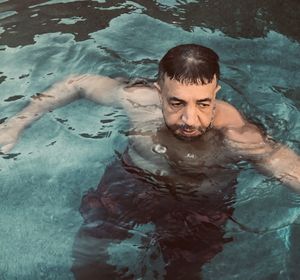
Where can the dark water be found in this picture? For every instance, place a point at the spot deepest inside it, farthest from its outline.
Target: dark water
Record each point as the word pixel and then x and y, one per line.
pixel 237 19
pixel 65 153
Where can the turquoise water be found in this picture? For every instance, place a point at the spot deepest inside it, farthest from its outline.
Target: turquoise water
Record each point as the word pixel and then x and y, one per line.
pixel 57 158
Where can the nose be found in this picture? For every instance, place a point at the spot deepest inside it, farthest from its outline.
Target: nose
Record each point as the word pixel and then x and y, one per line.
pixel 189 116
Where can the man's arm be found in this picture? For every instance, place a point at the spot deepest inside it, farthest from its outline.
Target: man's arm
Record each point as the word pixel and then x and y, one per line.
pixel 99 89
pixel 273 159
pixel 283 164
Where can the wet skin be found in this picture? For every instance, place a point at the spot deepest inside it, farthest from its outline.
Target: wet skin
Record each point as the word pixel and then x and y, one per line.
pixel 187 110
pixel 177 132
pixel 182 178
pixel 180 136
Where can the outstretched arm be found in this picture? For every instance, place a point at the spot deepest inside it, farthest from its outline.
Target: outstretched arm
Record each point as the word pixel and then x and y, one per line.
pixel 96 88
pixel 284 164
pixel 273 159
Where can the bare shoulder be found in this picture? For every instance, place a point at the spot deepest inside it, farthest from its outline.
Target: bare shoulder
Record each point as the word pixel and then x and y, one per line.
pixel 141 96
pixel 235 127
pixel 227 116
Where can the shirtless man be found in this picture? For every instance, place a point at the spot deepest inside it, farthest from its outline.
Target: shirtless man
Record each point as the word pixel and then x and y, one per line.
pixel 177 172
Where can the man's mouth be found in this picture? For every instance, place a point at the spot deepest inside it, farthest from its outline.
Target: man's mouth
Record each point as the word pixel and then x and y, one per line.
pixel 189 132
pixel 186 132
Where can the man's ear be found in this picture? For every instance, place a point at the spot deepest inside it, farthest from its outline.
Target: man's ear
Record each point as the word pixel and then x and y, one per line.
pixel 216 90
pixel 157 86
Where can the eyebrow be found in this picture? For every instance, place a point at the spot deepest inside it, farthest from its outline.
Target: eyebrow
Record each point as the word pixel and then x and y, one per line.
pixel 199 100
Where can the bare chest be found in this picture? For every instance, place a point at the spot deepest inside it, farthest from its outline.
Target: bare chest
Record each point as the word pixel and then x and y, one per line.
pixel 201 164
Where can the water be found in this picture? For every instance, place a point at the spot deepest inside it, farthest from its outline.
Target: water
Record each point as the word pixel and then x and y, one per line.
pixel 65 153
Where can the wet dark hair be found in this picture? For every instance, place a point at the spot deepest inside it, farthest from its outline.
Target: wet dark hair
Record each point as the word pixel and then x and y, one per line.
pixel 189 64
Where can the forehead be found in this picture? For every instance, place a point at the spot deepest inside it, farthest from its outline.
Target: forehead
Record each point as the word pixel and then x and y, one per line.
pixel 174 88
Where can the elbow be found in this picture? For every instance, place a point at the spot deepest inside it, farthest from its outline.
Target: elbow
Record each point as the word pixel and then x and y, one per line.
pixel 73 84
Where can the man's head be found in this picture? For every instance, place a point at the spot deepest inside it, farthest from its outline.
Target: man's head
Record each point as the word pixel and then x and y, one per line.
pixel 188 82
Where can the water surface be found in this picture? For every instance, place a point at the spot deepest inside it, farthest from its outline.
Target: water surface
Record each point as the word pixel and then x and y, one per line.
pixel 65 153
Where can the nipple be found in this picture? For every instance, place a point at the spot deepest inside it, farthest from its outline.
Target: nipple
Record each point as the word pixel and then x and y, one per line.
pixel 159 149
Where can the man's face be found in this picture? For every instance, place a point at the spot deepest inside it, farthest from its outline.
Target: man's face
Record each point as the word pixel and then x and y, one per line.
pixel 187 109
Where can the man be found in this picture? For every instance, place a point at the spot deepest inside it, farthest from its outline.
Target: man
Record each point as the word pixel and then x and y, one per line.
pixel 177 174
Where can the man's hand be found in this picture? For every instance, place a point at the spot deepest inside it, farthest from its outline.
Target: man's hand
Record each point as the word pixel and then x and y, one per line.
pixel 9 135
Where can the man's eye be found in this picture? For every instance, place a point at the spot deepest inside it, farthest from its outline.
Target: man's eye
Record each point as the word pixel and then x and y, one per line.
pixel 176 104
pixel 203 105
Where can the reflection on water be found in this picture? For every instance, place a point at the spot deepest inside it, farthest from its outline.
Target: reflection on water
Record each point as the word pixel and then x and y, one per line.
pixel 21 21
pixel 65 153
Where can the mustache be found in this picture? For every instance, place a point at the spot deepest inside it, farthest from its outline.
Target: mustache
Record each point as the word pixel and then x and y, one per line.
pixel 190 128
pixel 186 127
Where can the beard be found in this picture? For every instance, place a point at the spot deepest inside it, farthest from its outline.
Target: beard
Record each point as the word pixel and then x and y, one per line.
pixel 178 131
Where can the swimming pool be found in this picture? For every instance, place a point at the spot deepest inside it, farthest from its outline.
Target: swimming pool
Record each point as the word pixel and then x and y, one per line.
pixel 65 153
